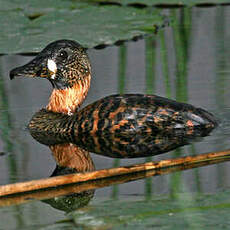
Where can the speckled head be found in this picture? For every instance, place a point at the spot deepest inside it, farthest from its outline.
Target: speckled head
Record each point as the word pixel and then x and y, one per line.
pixel 63 63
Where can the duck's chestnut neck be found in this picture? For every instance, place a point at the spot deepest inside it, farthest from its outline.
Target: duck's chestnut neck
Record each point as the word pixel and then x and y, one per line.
pixel 69 99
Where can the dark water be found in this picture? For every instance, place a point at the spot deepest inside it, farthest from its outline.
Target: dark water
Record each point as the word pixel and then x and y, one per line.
pixel 190 63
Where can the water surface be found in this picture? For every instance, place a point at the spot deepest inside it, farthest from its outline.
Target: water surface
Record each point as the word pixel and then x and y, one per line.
pixel 187 61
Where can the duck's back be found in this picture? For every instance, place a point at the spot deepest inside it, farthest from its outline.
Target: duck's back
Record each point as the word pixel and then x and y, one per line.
pixel 134 113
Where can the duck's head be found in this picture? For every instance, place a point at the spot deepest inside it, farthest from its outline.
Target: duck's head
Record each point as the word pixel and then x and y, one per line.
pixel 62 62
pixel 66 65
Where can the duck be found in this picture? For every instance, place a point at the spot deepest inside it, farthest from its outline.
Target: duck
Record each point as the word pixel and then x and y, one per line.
pixel 120 125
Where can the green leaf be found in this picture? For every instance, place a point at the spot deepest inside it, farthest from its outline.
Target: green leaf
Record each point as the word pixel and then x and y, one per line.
pixel 12 25
pixel 90 26
pixel 188 210
pixel 164 2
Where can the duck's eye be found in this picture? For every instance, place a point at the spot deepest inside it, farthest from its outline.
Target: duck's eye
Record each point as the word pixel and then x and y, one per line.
pixel 63 54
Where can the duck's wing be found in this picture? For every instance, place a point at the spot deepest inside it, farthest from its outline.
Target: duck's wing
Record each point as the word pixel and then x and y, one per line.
pixel 137 113
pixel 134 125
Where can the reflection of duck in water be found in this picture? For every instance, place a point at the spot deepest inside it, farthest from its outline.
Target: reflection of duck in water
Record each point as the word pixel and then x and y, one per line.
pixel 71 159
pixel 124 125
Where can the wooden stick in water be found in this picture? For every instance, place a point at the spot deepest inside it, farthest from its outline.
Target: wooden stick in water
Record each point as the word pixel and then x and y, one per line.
pixel 20 198
pixel 12 189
